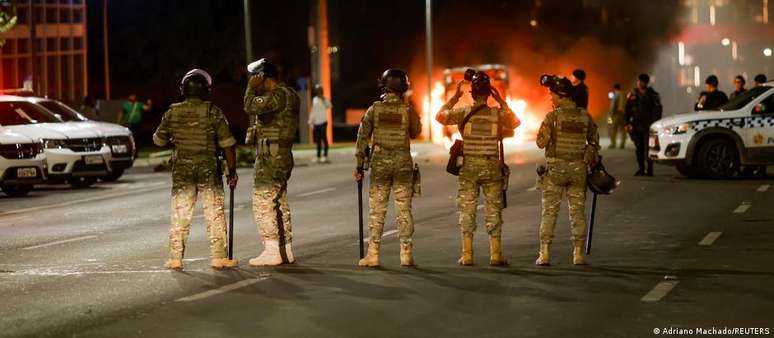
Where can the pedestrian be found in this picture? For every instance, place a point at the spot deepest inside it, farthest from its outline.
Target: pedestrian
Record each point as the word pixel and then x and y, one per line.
pixel 760 80
pixel 88 108
pixel 197 128
pixel 643 107
pixel 318 120
pixel 481 127
pixel 274 108
pixel 712 98
pixel 617 116
pixel 571 142
pixel 739 89
pixel 131 113
pixel 388 125
pixel 578 79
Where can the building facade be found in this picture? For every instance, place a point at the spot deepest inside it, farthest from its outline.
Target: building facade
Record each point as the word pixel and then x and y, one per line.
pixel 45 53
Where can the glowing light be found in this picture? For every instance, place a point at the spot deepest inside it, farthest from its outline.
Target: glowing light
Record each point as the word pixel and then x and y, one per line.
pixel 725 42
pixel 432 107
pixel 696 76
pixel 712 15
pixel 681 53
pixel 610 95
pixel 530 122
pixel 734 51
pixel 533 23
pixel 767 52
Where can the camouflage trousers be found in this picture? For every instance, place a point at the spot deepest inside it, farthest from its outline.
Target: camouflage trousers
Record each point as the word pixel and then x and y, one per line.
pixel 270 208
pixel 183 202
pixel 480 174
pixel 391 171
pixel 570 178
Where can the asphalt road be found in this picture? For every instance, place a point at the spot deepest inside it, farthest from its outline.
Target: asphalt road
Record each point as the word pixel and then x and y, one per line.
pixel 668 253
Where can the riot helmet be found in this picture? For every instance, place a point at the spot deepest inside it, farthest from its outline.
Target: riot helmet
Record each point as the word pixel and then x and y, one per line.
pixel 263 67
pixel 394 80
pixel 600 181
pixel 196 83
pixel 480 85
pixel 558 85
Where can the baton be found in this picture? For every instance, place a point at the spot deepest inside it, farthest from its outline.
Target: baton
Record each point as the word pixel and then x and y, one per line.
pixel 231 224
pixel 590 229
pixel 360 214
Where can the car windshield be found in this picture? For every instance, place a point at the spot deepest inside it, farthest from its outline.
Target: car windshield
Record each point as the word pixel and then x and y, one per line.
pixel 64 112
pixel 742 100
pixel 19 112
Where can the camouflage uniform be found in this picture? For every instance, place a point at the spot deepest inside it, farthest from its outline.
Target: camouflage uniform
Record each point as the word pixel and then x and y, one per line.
pixel 276 120
pixel 195 128
pixel 571 142
pixel 388 125
pixel 481 168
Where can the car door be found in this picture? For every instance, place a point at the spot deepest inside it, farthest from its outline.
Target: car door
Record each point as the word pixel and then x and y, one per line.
pixel 759 131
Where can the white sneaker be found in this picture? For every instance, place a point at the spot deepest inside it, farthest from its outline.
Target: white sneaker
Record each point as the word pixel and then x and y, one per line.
pixel 270 255
pixel 325 159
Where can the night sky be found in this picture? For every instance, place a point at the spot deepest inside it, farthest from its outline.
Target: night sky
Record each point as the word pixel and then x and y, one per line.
pixel 153 43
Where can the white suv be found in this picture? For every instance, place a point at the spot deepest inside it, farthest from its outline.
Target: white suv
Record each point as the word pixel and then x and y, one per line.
pixel 22 163
pixel 716 144
pixel 118 138
pixel 73 154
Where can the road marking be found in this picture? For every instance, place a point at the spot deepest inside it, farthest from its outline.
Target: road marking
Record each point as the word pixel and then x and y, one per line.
pixel 532 189
pixel 659 291
pixel 763 188
pixel 88 199
pixel 710 238
pixel 742 208
pixel 222 289
pixel 316 192
pixel 59 242
pixel 385 234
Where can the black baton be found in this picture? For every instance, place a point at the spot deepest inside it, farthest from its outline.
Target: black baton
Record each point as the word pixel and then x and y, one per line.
pixel 360 214
pixel 231 224
pixel 590 229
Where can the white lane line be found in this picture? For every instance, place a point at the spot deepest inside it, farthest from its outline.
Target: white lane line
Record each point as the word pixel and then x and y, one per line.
pixel 710 238
pixel 385 234
pixel 742 207
pixel 222 289
pixel 659 291
pixel 316 192
pixel 763 188
pixel 89 199
pixel 59 242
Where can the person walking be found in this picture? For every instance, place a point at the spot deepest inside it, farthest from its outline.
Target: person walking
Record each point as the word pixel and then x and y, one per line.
pixel 318 120
pixel 617 117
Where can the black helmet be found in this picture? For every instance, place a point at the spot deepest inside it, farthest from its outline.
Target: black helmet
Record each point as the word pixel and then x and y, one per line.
pixel 196 83
pixel 394 80
pixel 480 84
pixel 558 85
pixel 263 67
pixel 600 181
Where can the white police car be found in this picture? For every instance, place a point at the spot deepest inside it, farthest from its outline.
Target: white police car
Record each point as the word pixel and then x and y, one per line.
pixel 716 144
pixel 22 163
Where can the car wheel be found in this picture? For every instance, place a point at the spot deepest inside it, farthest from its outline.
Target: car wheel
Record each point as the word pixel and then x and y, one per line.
pixel 687 170
pixel 718 158
pixel 82 182
pixel 114 176
pixel 17 190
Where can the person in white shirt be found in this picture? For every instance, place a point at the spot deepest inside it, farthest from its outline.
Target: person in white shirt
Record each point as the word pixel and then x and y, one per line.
pixel 318 120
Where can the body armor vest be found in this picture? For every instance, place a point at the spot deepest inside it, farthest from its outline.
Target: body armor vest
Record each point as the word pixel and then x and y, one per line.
pixel 193 130
pixel 281 128
pixel 481 134
pixel 570 131
pixel 391 125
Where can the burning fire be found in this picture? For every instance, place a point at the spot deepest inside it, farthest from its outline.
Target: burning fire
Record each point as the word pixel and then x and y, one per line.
pixel 530 121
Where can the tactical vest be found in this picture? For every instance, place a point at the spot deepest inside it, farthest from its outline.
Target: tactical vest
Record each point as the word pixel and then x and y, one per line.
pixel 391 125
pixel 570 131
pixel 281 128
pixel 481 134
pixel 193 130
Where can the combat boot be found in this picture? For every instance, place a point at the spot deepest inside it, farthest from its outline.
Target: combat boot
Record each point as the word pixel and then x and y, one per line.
pixel 174 264
pixel 578 256
pixel 406 257
pixel 372 258
pixel 270 254
pixel 544 258
pixel 223 263
pixel 467 250
pixel 496 252
pixel 289 254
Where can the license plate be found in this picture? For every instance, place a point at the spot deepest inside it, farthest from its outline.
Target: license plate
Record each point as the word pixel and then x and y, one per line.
pixel 652 142
pixel 93 159
pixel 119 148
pixel 26 173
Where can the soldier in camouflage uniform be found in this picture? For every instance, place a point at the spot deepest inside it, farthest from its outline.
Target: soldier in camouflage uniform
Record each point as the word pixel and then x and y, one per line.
pixel 571 143
pixel 197 128
pixel 273 107
pixel 481 168
pixel 388 125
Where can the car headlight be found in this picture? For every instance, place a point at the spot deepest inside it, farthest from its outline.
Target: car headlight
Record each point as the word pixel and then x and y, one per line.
pixel 677 129
pixel 53 144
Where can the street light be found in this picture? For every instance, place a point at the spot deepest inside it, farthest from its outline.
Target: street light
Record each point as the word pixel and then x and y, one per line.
pixel 767 52
pixel 725 41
